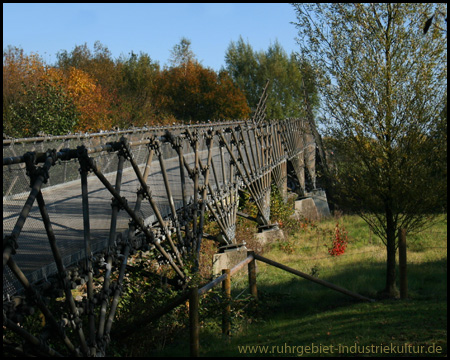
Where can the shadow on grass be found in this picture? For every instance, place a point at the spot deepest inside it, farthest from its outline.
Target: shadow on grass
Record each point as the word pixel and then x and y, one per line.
pixel 296 312
pixel 418 323
pixel 427 280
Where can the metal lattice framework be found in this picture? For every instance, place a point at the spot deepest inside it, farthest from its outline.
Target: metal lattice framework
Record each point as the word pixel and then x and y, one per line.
pixel 97 199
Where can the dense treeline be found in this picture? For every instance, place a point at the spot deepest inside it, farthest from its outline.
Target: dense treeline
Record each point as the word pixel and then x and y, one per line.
pixel 87 90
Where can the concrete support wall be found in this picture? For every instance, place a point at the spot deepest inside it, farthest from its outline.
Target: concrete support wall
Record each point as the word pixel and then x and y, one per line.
pixel 228 259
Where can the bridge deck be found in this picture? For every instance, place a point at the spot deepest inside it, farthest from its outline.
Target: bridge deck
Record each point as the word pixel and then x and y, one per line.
pixel 63 198
pixel 64 204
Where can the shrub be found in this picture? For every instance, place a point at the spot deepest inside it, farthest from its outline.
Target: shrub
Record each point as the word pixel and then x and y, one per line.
pixel 340 241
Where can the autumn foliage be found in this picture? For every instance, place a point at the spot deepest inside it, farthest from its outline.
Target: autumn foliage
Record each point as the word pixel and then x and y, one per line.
pixel 88 92
pixel 91 100
pixel 34 98
pixel 340 241
pixel 191 92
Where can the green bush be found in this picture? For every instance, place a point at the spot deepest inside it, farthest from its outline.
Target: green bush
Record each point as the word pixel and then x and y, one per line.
pixel 42 108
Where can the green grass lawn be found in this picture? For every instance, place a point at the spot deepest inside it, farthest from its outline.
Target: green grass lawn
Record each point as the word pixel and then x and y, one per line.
pixel 295 317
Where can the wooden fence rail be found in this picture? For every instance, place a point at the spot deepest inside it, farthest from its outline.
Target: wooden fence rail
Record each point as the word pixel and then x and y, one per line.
pixel 312 278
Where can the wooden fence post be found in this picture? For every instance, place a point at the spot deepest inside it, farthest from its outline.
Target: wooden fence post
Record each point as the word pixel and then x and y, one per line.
pixel 252 276
pixel 226 287
pixel 402 264
pixel 193 322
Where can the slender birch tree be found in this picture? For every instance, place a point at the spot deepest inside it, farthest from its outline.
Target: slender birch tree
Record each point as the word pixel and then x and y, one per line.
pixel 383 85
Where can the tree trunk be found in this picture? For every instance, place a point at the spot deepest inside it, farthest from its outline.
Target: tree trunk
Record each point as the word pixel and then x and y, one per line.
pixel 391 289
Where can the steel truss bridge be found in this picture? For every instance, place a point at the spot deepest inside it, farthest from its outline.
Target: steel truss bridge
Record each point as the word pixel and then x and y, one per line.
pixel 97 199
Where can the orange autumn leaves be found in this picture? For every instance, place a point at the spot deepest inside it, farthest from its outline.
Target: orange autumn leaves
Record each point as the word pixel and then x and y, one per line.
pixel 91 100
pixel 191 92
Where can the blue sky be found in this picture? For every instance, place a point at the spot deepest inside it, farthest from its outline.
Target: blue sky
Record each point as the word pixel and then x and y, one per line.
pixel 151 28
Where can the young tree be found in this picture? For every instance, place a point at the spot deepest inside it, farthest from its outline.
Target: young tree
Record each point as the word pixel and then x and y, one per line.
pixel 91 100
pixel 383 86
pixel 135 89
pixel 230 101
pixel 242 65
pixel 287 77
pixel 97 63
pixel 191 92
pixel 33 99
pixel 19 71
pixel 43 108
pixel 182 54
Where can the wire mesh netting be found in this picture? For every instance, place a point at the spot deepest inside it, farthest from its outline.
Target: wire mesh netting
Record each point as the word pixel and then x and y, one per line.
pixel 62 195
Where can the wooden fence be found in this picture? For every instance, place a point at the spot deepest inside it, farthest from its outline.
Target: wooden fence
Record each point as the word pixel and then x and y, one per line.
pixel 195 293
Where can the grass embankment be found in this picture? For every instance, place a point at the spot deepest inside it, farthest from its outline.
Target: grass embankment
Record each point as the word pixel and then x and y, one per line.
pixel 296 317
